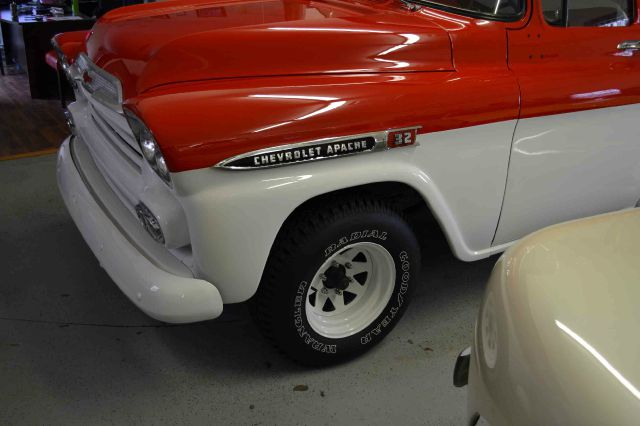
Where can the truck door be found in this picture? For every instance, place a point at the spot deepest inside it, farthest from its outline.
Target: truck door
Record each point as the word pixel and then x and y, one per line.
pixel 576 150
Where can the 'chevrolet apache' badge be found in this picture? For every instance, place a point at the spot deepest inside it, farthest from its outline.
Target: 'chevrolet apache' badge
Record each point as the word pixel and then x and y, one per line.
pixel 314 150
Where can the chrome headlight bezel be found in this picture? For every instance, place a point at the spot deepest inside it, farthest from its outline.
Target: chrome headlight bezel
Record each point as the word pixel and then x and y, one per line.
pixel 149 147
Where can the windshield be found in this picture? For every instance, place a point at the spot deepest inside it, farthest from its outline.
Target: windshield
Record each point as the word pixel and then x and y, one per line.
pixel 500 9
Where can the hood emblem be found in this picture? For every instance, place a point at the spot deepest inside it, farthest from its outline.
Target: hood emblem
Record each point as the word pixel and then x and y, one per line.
pixel 87 78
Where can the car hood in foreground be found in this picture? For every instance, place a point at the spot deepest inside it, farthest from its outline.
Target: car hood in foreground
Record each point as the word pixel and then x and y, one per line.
pixel 564 304
pixel 156 44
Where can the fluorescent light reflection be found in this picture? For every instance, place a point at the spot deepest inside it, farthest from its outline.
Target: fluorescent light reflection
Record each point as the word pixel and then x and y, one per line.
pixel 333 30
pixel 295 179
pixel 602 360
pixel 303 97
pixel 597 94
pixel 333 104
pixel 409 40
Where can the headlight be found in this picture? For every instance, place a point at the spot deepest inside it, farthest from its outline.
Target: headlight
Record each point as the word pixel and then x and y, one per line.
pixel 149 147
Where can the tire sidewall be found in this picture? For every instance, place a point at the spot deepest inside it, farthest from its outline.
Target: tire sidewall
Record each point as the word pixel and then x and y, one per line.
pixel 387 230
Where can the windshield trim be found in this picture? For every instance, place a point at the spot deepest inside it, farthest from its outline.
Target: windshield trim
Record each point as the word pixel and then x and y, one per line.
pixel 474 14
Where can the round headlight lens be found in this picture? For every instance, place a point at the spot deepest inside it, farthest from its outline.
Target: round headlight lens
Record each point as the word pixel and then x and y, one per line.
pixel 149 149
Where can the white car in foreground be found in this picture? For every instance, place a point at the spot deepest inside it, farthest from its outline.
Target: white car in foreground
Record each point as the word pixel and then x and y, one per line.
pixel 557 341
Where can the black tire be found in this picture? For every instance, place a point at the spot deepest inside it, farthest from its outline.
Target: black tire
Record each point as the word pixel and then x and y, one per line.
pixel 304 243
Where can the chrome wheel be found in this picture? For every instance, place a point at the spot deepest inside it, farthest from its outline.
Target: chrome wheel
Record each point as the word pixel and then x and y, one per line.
pixel 350 290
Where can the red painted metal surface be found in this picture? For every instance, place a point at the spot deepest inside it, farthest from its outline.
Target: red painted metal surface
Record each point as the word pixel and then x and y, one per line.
pixel 71 43
pixel 564 70
pixel 264 38
pixel 216 79
pixel 209 121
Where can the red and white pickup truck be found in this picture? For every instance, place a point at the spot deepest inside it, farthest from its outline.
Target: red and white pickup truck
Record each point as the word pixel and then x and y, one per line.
pixel 269 149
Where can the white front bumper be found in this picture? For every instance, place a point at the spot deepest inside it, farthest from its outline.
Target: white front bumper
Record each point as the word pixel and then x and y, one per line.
pixel 165 296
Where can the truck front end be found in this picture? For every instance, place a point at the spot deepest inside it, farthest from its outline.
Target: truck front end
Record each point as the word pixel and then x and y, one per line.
pixel 117 188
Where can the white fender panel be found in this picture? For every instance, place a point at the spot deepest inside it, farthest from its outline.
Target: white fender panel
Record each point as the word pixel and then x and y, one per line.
pixel 234 216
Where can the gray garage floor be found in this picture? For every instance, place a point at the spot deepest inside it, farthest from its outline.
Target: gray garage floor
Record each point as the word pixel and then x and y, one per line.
pixel 74 350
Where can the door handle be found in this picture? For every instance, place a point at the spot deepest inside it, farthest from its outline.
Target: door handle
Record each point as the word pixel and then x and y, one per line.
pixel 629 45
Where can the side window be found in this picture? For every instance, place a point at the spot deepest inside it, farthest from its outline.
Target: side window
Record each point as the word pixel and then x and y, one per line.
pixel 554 12
pixel 588 13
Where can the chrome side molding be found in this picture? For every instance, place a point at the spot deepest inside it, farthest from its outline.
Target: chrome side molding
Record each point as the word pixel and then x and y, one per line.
pixel 629 45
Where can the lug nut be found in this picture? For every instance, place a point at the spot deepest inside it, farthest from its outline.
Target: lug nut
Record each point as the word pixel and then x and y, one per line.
pixel 324 290
pixel 338 292
pixel 348 265
pixel 323 277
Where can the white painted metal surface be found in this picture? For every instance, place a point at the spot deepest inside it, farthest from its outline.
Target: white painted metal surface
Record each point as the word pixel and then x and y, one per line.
pixel 234 216
pixel 568 166
pixel 163 295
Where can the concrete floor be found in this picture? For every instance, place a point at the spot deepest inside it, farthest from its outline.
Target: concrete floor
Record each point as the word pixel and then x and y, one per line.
pixel 74 350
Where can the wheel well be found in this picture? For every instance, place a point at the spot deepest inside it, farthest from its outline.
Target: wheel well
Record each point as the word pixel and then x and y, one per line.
pixel 401 197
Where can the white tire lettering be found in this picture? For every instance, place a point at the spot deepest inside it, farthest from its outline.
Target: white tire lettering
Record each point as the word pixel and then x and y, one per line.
pixel 300 328
pixel 354 236
pixel 404 285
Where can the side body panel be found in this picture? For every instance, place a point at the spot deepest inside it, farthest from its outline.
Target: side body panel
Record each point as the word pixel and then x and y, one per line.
pixel 568 166
pixel 576 150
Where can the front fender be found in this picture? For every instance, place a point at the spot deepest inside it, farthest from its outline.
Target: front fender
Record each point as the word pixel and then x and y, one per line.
pixel 202 123
pixel 234 216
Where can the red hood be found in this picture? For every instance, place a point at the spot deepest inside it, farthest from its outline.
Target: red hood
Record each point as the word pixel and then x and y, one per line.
pixel 156 44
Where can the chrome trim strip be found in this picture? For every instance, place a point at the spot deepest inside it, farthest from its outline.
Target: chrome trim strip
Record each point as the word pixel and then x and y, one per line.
pixel 62 58
pixel 629 45
pixel 380 139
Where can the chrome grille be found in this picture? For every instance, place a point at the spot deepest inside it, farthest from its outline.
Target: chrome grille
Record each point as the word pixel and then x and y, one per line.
pixel 117 142
pixel 112 144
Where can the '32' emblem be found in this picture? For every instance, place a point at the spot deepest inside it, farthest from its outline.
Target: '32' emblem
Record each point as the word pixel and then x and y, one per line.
pixel 402 137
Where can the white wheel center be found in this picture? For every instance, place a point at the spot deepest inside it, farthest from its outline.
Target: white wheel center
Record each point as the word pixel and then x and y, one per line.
pixel 350 290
